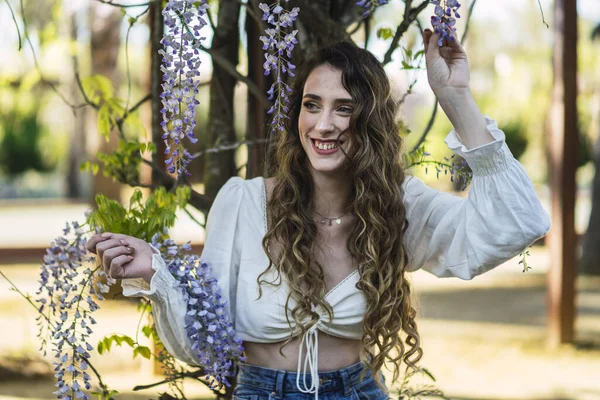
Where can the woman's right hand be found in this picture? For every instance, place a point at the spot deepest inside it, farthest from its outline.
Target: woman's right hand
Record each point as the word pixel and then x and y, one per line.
pixel 122 256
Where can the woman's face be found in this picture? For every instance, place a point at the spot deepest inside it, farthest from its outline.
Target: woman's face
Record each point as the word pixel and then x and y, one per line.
pixel 324 115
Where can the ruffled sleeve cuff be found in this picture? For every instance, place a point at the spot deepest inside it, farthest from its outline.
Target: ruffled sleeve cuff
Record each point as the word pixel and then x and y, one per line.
pixel 487 159
pixel 161 283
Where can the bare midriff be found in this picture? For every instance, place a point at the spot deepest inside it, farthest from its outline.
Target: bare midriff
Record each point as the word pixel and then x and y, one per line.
pixel 334 353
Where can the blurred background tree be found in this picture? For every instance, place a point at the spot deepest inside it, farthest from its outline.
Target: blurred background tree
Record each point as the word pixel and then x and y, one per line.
pixel 590 255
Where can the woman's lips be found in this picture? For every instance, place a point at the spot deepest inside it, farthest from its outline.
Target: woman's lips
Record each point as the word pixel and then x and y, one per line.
pixel 325 152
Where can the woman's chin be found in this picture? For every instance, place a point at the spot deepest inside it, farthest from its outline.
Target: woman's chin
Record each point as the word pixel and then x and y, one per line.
pixel 329 168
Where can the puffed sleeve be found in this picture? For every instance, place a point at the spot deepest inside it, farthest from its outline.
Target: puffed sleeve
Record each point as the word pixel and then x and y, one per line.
pixel 221 252
pixel 464 237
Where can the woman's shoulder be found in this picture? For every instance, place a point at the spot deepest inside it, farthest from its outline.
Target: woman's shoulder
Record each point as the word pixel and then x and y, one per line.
pixel 245 187
pixel 246 196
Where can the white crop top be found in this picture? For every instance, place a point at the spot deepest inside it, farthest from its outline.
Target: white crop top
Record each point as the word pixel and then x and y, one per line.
pixel 447 236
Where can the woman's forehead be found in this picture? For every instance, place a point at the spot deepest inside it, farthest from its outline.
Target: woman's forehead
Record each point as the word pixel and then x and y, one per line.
pixel 325 81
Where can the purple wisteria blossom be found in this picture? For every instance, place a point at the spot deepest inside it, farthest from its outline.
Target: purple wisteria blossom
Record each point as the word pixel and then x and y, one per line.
pixel 181 69
pixel 67 296
pixel 442 20
pixel 208 325
pixel 370 6
pixel 279 43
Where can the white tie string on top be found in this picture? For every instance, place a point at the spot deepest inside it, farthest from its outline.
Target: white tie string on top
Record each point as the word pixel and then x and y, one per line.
pixel 311 339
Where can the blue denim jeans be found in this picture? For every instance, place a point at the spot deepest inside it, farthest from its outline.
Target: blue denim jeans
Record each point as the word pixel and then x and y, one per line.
pixel 260 383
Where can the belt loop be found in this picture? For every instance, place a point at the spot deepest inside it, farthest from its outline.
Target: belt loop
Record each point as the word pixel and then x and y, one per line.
pixel 346 382
pixel 279 379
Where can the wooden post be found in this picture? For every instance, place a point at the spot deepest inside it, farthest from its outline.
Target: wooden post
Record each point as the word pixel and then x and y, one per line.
pixel 562 149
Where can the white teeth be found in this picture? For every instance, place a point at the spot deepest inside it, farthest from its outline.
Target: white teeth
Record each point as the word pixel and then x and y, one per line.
pixel 323 146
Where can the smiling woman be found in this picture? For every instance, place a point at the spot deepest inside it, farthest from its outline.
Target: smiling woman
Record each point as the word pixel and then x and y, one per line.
pixel 324 120
pixel 321 306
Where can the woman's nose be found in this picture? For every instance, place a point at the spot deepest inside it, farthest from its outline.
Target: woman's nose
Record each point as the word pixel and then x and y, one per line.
pixel 325 123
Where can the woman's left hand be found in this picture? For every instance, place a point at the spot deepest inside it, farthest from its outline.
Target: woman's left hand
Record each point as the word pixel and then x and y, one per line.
pixel 447 66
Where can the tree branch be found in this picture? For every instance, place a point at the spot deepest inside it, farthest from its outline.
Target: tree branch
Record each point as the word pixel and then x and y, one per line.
pixel 428 127
pixel 85 97
pixel 194 374
pixel 229 146
pixel 198 201
pixel 410 14
pixel 12 13
pixel 37 66
pixel 227 67
pixel 250 12
pixel 112 3
pixel 468 23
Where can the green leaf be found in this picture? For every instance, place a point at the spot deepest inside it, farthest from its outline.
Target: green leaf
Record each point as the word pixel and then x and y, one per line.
pixel 147 331
pixel 429 374
pixel 100 347
pixel 385 33
pixel 142 351
pixel 97 87
pixel 104 121
pixel 133 126
pixel 406 65
pixel 136 197
pixel 85 166
pixel 128 340
pixel 95 168
pixel 419 53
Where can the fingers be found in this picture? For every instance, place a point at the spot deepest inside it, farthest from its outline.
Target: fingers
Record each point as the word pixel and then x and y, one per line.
pixel 94 240
pixel 109 256
pixel 430 40
pixel 117 266
pixel 454 43
pixel 426 36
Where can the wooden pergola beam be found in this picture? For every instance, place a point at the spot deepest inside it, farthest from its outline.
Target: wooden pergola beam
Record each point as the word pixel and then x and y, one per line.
pixel 562 149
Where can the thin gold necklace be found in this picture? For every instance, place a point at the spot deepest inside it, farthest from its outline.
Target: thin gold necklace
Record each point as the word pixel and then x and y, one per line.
pixel 326 220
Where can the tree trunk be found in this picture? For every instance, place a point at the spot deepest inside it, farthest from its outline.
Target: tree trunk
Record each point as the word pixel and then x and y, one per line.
pixel 562 145
pixel 77 153
pixel 219 167
pixel 590 256
pixel 256 114
pixel 105 23
pixel 156 22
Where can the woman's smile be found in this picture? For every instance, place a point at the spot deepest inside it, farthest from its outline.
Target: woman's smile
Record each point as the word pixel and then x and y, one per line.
pixel 325 147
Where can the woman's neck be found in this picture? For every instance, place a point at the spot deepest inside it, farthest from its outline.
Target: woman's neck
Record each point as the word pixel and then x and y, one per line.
pixel 331 194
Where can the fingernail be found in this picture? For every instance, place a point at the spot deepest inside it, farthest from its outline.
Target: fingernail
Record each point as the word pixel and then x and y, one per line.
pixel 106 234
pixel 129 250
pixel 129 258
pixel 123 242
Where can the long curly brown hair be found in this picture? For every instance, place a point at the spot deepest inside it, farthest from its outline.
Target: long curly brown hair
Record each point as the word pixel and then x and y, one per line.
pixel 376 240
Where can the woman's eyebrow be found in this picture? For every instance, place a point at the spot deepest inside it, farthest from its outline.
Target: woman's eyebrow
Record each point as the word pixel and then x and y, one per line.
pixel 317 97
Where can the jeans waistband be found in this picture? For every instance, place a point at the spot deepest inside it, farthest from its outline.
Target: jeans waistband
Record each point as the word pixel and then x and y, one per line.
pixel 281 381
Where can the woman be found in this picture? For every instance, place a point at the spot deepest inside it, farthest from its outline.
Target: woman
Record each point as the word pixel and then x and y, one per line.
pixel 314 258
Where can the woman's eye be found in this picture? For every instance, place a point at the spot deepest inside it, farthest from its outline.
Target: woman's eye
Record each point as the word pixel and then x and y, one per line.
pixel 309 105
pixel 345 109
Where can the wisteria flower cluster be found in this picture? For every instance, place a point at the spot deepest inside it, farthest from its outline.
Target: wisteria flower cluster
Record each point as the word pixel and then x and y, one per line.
pixel 67 299
pixel 370 6
pixel 442 20
pixel 207 323
pixel 279 45
pixel 181 69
